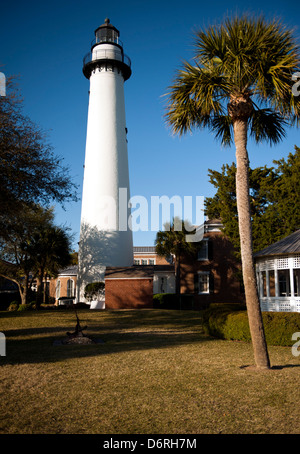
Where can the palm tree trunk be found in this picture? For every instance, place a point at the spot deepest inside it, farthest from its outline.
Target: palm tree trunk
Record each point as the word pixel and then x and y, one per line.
pixel 244 216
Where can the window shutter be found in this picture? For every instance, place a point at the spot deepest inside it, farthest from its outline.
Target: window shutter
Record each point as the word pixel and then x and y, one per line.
pixel 196 283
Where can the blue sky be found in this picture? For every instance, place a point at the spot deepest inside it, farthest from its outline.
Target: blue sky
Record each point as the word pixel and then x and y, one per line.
pixel 44 44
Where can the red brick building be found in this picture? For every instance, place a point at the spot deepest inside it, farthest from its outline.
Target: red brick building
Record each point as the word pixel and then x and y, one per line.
pixel 211 276
pixel 133 287
pixel 214 274
pixel 63 288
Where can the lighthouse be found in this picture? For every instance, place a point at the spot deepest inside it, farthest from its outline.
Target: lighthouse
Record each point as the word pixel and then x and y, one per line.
pixel 105 239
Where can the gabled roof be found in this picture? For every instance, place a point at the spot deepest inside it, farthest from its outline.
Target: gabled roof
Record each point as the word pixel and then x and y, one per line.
pixel 288 245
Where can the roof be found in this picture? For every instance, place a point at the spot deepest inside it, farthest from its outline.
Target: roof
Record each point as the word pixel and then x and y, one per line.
pixel 69 271
pixel 288 245
pixel 143 249
pixel 136 271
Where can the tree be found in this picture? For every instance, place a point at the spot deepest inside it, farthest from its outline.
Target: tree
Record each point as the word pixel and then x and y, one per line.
pixel 31 246
pixel 274 201
pixel 94 291
pixel 50 247
pixel 17 258
pixel 30 172
pixel 240 84
pixel 172 241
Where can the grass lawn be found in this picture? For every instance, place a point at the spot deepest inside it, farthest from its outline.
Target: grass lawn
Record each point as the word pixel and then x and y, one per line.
pixel 155 373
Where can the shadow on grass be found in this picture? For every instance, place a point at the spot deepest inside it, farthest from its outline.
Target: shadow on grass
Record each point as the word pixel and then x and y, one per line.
pixel 119 332
pixel 254 368
pixel 44 349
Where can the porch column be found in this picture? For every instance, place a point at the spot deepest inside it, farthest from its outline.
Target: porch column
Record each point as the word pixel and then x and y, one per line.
pixel 276 282
pixel 268 283
pixel 291 270
pixel 261 284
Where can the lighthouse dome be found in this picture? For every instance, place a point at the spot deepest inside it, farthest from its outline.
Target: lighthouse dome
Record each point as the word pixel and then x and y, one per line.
pixel 107 33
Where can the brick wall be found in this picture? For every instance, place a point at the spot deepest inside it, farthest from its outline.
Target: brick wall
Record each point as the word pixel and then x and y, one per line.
pixel 128 293
pixel 223 269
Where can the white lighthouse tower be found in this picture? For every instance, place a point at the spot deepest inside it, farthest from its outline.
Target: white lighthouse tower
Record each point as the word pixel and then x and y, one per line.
pixel 105 239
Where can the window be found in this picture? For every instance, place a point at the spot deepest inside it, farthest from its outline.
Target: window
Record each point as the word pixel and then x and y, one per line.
pixel 151 262
pixel 144 262
pixel 203 251
pixel 283 279
pixel 203 282
pixel 70 288
pixel 136 262
pixel 57 290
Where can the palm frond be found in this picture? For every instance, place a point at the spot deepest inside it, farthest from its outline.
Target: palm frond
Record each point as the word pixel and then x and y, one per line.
pixel 196 95
pixel 246 56
pixel 267 125
pixel 222 126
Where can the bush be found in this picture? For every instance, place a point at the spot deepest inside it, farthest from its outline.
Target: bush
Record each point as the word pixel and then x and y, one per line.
pixel 94 291
pixel 280 326
pixel 27 307
pixel 13 306
pixel 231 322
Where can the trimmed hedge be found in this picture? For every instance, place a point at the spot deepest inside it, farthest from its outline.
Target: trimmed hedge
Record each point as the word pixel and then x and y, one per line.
pixel 230 322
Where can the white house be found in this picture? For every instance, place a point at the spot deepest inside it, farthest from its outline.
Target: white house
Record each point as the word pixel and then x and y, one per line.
pixel 278 275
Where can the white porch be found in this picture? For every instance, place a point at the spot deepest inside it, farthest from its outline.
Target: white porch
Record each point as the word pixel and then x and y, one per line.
pixel 278 280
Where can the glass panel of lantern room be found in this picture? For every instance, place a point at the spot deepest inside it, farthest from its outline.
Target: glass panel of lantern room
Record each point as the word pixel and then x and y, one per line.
pixel 107 34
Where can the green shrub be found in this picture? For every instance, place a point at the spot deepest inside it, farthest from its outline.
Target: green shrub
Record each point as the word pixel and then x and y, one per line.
pixel 94 290
pixel 231 323
pixel 27 307
pixel 215 316
pixel 280 326
pixel 13 306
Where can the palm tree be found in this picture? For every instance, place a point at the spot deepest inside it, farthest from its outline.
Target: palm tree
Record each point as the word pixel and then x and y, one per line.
pixel 172 242
pixel 240 83
pixel 52 247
